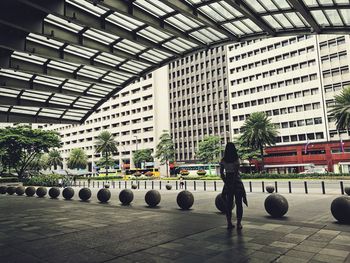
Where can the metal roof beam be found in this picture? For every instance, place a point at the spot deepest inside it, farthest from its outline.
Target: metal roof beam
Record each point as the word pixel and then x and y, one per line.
pixel 26 118
pixel 300 7
pixel 26 85
pixel 122 7
pixel 190 11
pixel 11 101
pixel 244 9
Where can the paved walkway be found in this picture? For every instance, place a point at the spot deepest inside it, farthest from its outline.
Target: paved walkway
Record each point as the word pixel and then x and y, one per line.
pixel 44 230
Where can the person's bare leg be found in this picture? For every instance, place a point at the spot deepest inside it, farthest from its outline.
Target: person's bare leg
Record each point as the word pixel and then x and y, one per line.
pixel 229 206
pixel 239 210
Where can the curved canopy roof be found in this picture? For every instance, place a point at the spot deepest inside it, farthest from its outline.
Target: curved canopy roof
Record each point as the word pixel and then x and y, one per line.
pixel 61 59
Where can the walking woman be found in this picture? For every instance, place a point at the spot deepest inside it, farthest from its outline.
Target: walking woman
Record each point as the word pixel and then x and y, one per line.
pixel 233 186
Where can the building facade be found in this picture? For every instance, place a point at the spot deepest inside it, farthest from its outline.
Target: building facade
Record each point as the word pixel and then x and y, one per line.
pixel 294 81
pixel 198 90
pixel 136 117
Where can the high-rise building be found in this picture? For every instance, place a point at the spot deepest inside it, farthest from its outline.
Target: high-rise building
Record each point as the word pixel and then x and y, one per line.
pixel 198 90
pixel 294 81
pixel 136 116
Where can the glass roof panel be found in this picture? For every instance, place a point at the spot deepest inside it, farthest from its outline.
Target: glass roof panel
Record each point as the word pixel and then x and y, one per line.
pixel 154 7
pixel 63 23
pixel 88 7
pixel 272 21
pixel 183 23
pixel 124 21
pixel 269 5
pixel 296 20
pixel 129 47
pixel 242 27
pixel 100 36
pixel 320 17
pixel 334 17
pixel 255 5
pixel 283 4
pixel 214 13
pixel 251 25
pixel 154 34
pixel 233 29
pixel 346 16
pixel 28 57
pixel 80 51
pixel 283 20
pixel 44 41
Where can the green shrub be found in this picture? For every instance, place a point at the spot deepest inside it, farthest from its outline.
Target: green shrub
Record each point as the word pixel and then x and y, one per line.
pixel 44 180
pixel 9 180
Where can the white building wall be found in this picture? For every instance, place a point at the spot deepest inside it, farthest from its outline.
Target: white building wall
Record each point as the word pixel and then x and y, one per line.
pixel 133 116
pixel 284 77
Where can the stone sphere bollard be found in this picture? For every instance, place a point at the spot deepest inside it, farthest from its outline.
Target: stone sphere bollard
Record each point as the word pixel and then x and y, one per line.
pixel 340 209
pixel 347 190
pixel 152 198
pixel 68 193
pixel 3 190
pixel 270 189
pixel 11 190
pixel 134 186
pixel 20 190
pixel 220 203
pixel 185 200
pixel 103 195
pixel 276 205
pixel 41 191
pixel 168 186
pixel 126 196
pixel 85 194
pixel 54 192
pixel 30 191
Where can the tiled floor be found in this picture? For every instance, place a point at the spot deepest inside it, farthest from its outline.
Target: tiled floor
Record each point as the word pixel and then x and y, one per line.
pixel 44 230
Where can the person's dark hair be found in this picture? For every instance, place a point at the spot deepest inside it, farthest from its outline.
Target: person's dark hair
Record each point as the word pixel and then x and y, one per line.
pixel 230 155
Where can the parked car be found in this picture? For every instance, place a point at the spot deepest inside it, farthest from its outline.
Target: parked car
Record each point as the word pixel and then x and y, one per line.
pixel 315 170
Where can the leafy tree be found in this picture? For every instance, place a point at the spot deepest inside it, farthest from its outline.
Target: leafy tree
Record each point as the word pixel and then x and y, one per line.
pixel 165 151
pixel 257 132
pixel 209 149
pixel 144 155
pixel 77 159
pixel 22 145
pixel 103 162
pixel 246 153
pixel 106 145
pixel 54 159
pixel 340 111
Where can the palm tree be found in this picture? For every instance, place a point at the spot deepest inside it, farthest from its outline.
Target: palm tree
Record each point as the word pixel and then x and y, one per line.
pixel 340 111
pixel 54 159
pixel 106 145
pixel 165 151
pixel 77 159
pixel 257 132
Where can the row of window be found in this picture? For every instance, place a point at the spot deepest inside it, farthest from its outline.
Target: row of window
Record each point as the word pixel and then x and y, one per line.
pixel 282 97
pixel 269 47
pixel 199 120
pixel 336 86
pixel 195 57
pixel 272 59
pixel 195 68
pixel 273 72
pixel 335 72
pixel 332 42
pixel 282 111
pixel 274 85
pixel 299 123
pixel 333 57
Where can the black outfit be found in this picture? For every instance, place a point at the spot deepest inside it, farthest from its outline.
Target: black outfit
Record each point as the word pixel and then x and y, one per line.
pixel 233 188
